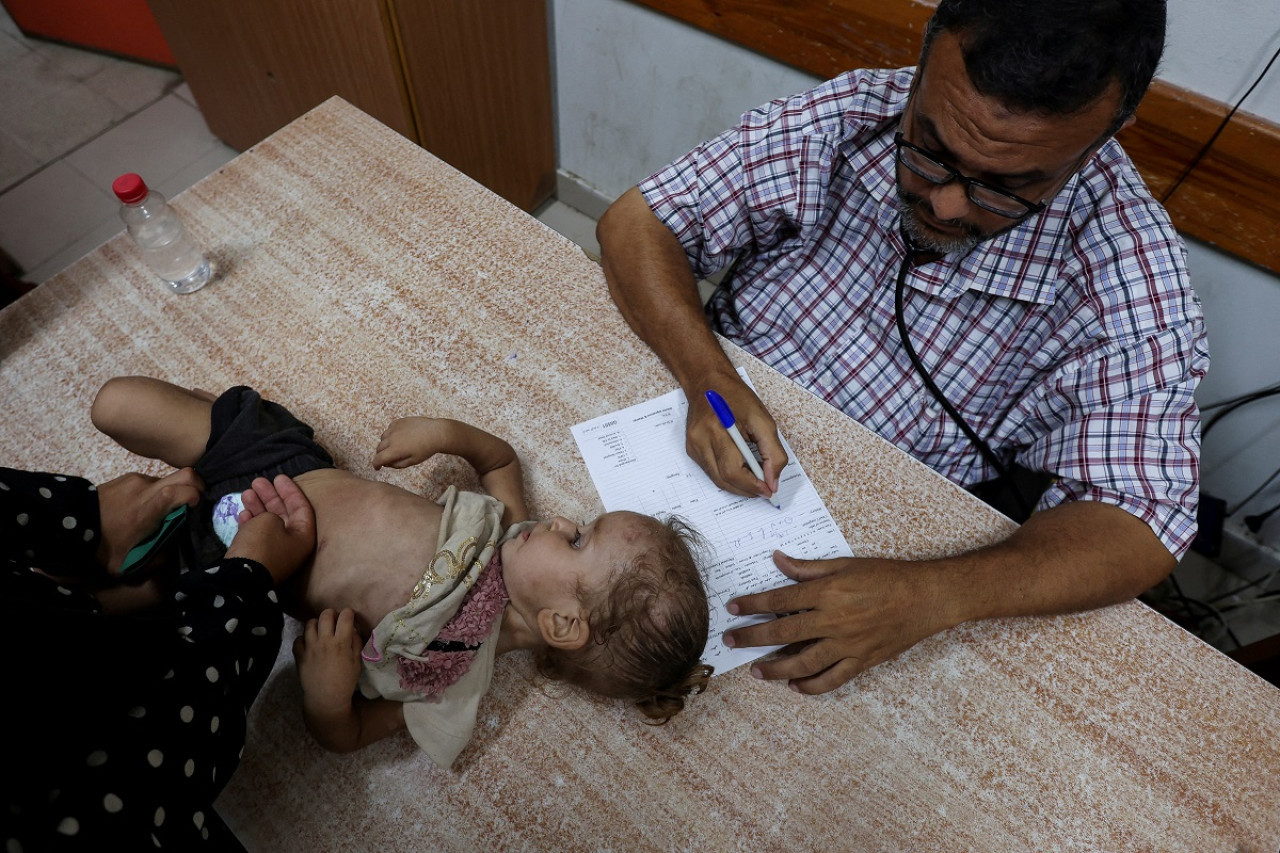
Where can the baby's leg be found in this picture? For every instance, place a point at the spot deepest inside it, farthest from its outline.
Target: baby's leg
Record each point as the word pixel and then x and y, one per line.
pixel 154 418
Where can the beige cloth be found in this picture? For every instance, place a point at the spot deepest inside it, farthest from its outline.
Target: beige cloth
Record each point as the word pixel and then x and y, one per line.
pixel 470 531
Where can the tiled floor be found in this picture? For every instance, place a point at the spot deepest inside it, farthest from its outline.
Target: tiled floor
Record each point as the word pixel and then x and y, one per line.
pixel 75 119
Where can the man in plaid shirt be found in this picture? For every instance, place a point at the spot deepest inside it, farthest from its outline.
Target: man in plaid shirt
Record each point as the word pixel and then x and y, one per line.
pixel 978 206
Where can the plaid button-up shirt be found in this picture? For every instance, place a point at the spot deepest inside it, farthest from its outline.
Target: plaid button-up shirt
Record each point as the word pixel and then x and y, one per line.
pixel 1071 343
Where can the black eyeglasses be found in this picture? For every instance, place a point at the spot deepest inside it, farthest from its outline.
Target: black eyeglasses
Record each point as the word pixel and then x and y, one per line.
pixel 985 196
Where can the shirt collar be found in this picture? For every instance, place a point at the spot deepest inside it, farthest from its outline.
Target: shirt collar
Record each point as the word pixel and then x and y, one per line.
pixel 1020 264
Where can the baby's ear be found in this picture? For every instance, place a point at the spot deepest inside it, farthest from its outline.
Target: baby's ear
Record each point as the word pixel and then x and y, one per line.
pixel 567 631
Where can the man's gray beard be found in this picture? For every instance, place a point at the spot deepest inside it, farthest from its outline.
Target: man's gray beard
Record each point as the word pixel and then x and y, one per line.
pixel 930 241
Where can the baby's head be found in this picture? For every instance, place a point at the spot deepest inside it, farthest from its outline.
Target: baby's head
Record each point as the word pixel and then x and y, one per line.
pixel 620 605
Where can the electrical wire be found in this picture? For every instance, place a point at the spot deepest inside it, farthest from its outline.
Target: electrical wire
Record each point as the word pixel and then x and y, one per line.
pixel 1200 155
pixel 1231 405
pixel 1214 612
pixel 1255 493
pixel 1246 397
pixel 1264 600
pixel 1255 522
pixel 1263 582
pixel 1226 407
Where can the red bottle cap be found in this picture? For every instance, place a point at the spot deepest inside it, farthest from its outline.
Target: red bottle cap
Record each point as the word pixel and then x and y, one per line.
pixel 130 188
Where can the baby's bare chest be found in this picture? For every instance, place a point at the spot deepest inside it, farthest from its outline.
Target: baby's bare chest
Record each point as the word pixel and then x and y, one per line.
pixel 373 543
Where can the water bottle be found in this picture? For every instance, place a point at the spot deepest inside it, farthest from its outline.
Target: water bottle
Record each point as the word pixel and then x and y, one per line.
pixel 166 246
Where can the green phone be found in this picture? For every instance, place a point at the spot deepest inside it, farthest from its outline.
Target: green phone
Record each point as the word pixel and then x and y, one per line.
pixel 140 553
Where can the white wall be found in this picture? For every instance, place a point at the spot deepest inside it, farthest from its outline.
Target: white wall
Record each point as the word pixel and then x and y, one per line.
pixel 1218 48
pixel 636 89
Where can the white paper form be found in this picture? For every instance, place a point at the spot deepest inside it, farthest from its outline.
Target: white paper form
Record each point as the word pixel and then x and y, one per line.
pixel 637 460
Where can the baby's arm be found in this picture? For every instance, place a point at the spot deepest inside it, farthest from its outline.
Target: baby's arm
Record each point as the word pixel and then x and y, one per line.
pixel 328 657
pixel 409 441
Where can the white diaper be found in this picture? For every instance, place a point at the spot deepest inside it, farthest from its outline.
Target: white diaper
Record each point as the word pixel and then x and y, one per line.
pixel 225 512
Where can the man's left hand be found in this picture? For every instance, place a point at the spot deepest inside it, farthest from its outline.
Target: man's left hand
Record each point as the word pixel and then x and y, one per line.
pixel 844 616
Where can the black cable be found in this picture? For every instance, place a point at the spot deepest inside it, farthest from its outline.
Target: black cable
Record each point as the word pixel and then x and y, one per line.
pixel 1254 493
pixel 1255 522
pixel 1246 397
pixel 1263 581
pixel 1213 611
pixel 988 454
pixel 1200 155
pixel 1232 405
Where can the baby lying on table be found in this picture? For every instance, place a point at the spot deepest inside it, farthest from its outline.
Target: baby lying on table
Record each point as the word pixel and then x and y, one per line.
pixel 410 600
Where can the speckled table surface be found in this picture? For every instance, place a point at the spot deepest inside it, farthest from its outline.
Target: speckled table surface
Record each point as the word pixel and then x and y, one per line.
pixel 360 279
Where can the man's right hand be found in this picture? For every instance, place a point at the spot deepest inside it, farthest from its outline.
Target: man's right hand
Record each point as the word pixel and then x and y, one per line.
pixel 654 287
pixel 708 443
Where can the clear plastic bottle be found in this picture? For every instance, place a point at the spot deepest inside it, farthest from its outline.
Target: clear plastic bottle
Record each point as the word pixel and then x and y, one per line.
pixel 166 246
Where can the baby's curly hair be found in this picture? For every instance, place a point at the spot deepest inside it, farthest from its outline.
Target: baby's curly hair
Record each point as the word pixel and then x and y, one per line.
pixel 647 630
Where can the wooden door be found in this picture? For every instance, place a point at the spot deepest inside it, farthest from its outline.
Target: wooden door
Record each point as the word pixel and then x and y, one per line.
pixel 479 77
pixel 256 65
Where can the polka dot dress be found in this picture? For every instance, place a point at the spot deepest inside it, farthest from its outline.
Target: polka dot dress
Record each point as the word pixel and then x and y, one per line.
pixel 128 726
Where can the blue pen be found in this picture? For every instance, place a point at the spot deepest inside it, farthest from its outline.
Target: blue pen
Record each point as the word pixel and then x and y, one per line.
pixel 731 426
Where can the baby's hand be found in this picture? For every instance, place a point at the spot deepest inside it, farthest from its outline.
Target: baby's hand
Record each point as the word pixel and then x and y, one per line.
pixel 410 441
pixel 328 657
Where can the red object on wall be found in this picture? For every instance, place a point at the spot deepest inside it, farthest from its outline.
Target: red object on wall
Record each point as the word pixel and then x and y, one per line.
pixel 122 27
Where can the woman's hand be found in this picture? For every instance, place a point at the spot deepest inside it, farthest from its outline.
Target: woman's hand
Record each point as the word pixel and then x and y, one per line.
pixel 132 506
pixel 277 527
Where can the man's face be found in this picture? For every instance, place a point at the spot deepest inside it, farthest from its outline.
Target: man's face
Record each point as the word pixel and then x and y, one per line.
pixel 1028 154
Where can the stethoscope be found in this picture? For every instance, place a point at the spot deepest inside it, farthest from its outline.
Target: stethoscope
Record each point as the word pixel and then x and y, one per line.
pixel 915 255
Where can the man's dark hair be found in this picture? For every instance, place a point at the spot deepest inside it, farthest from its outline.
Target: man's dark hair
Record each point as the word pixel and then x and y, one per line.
pixel 1055 57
